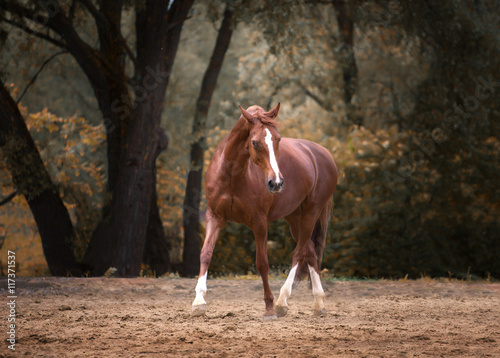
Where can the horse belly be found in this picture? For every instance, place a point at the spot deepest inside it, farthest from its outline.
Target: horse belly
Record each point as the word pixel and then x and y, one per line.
pixel 284 207
pixel 297 187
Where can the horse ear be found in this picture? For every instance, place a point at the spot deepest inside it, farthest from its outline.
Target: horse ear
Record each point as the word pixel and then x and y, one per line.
pixel 247 116
pixel 273 113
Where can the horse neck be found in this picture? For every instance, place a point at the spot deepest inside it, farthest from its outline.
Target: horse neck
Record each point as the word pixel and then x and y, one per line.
pixel 235 153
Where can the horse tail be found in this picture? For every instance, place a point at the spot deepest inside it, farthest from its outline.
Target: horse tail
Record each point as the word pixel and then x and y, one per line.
pixel 320 230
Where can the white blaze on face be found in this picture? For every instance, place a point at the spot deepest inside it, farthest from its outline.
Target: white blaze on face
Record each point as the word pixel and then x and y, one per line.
pixel 272 157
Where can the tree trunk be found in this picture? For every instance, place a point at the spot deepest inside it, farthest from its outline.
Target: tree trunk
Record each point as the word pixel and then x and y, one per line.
pixel 191 208
pixel 157 247
pixel 345 21
pixel 33 181
pixel 117 108
pixel 115 244
pixel 191 214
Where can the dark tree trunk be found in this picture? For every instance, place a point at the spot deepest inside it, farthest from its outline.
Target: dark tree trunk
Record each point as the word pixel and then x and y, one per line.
pixel 117 108
pixel 157 247
pixel 115 105
pixel 345 21
pixel 191 214
pixel 33 181
pixel 115 244
pixel 191 208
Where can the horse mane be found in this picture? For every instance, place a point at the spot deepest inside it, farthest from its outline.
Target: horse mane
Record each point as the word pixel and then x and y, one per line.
pixel 269 121
pixel 259 114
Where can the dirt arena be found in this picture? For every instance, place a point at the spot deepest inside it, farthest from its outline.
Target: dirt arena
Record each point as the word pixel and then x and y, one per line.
pixel 99 317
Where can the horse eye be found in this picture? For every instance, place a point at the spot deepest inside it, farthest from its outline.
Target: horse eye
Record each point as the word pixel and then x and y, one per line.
pixel 255 144
pixel 279 139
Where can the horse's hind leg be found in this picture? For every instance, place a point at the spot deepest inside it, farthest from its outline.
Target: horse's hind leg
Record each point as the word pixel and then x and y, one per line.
pixel 318 242
pixel 317 291
pixel 302 227
pixel 304 260
pixel 213 228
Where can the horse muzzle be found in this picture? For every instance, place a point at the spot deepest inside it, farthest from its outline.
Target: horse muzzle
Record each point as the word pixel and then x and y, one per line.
pixel 273 186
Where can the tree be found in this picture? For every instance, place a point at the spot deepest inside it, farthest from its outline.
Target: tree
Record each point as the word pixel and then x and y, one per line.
pixel 158 36
pixel 33 181
pixel 345 23
pixel 131 116
pixel 157 249
pixel 191 208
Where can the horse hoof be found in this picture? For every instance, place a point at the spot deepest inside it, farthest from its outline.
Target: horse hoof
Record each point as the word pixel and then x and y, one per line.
pixel 321 312
pixel 271 318
pixel 281 311
pixel 198 310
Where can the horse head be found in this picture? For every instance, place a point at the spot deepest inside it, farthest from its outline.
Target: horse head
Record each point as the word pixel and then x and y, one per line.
pixel 263 144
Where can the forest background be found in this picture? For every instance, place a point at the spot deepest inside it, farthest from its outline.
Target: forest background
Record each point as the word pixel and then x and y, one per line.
pixel 404 94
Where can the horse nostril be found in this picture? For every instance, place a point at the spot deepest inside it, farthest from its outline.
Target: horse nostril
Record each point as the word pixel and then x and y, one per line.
pixel 270 184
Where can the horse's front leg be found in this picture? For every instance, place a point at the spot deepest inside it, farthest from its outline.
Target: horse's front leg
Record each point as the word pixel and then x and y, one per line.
pixel 213 228
pixel 286 292
pixel 260 232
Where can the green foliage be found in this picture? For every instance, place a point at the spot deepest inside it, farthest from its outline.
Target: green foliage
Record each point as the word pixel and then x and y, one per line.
pixel 73 152
pixel 391 220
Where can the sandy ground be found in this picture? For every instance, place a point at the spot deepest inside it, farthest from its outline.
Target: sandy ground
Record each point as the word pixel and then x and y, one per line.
pixel 99 317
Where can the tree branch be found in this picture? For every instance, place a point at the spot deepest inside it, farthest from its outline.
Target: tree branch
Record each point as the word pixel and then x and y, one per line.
pixel 71 13
pixel 93 65
pixel 38 72
pixel 102 22
pixel 322 104
pixel 23 12
pixel 8 198
pixel 38 34
pixel 56 21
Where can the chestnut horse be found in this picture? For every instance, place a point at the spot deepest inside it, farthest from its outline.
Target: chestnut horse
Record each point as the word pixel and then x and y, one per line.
pixel 256 176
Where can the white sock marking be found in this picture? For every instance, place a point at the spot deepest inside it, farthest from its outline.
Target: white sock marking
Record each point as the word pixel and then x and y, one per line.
pixel 272 157
pixel 317 289
pixel 201 289
pixel 286 290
